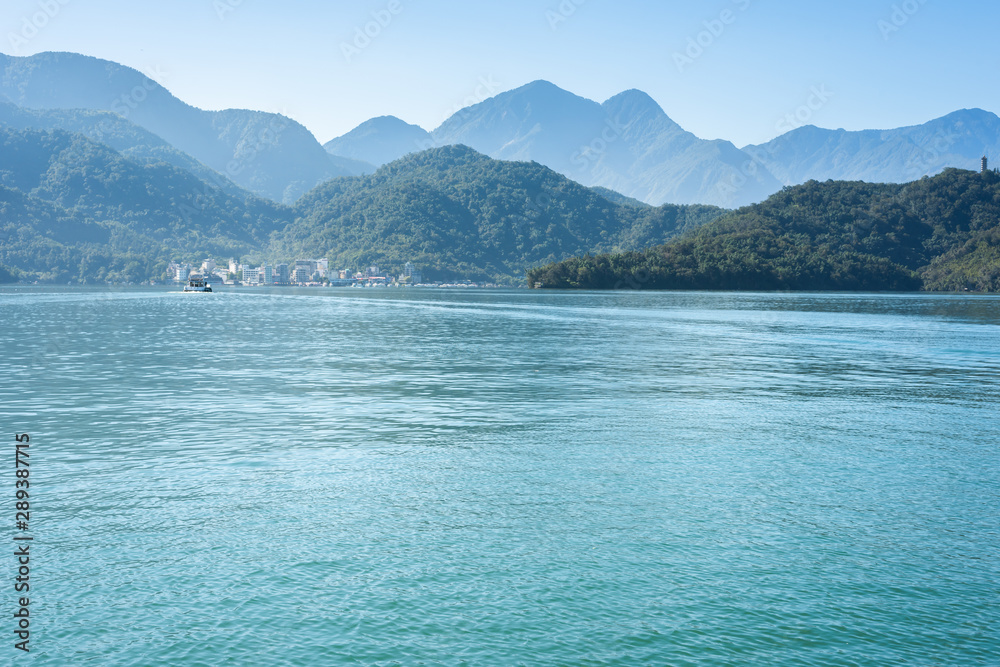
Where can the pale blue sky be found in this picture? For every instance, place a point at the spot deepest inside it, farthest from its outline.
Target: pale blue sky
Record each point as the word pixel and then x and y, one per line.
pixel 925 59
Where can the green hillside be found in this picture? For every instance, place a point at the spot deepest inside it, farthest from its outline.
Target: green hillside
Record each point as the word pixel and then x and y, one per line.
pixel 937 233
pixel 458 213
pixel 73 209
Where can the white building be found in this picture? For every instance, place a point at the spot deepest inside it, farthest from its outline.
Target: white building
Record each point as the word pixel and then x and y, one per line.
pixel 251 276
pixel 412 274
pixel 180 271
pixel 307 265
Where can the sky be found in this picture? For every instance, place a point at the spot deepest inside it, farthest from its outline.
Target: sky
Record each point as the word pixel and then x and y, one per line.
pixel 742 70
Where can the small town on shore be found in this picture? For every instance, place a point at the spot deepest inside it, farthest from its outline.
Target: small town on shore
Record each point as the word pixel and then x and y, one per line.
pixel 302 273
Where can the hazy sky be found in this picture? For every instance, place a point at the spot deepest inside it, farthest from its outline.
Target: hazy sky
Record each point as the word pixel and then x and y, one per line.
pixel 731 69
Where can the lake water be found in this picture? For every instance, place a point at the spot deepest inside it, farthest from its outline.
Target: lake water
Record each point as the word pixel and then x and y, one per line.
pixel 448 477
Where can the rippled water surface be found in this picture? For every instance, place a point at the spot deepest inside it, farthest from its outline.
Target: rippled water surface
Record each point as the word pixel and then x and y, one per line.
pixel 435 477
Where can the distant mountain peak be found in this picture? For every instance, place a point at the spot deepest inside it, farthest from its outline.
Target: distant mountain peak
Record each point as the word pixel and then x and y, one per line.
pixel 386 122
pixel 897 155
pixel 232 142
pixel 379 140
pixel 635 99
pixel 539 84
pixel 538 90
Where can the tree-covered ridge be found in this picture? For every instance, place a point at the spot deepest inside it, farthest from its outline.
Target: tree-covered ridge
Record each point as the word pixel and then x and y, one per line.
pixel 940 233
pixel 458 213
pixel 7 276
pixel 268 154
pixel 106 127
pixel 74 209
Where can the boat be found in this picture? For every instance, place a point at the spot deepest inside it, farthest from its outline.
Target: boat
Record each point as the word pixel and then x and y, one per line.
pixel 197 284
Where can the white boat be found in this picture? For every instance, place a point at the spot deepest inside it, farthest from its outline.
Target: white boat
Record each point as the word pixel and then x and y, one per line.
pixel 197 284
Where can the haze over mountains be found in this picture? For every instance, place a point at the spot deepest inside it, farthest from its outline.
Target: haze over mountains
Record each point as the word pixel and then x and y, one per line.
pixel 627 144
pixel 104 175
pixel 885 156
pixel 630 145
pixel 73 209
pixel 937 234
pixel 268 154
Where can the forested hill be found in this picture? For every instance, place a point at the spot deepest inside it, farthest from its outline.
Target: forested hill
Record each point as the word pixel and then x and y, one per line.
pixel 940 233
pixel 458 213
pixel 74 209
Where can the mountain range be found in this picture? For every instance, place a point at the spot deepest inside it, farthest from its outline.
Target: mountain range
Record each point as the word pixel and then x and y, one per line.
pixel 630 145
pixel 881 156
pixel 940 233
pixel 627 144
pixel 104 175
pixel 458 213
pixel 267 154
pixel 74 209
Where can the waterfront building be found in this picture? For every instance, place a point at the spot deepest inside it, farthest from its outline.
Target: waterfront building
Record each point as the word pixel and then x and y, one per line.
pixel 307 265
pixel 180 271
pixel 411 274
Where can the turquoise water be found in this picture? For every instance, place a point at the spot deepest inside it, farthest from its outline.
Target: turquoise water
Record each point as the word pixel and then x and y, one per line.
pixel 435 477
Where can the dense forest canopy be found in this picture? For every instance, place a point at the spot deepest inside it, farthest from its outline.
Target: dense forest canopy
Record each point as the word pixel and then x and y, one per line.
pixel 940 233
pixel 458 213
pixel 74 209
